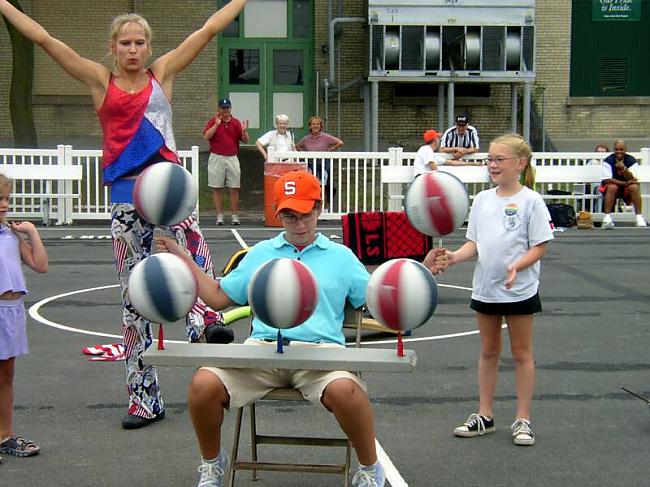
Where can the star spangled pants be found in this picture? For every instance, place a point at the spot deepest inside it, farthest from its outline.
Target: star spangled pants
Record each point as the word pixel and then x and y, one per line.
pixel 132 243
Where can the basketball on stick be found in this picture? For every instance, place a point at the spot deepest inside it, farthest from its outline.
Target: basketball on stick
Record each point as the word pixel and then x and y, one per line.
pixel 162 288
pixel 436 203
pixel 283 293
pixel 402 294
pixel 165 194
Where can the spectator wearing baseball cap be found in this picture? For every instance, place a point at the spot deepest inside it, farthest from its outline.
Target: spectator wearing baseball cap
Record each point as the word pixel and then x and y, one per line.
pixel 427 158
pixel 225 132
pixel 460 140
pixel 341 278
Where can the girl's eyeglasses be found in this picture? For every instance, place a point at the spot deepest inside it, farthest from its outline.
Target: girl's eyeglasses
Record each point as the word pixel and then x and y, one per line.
pixel 496 160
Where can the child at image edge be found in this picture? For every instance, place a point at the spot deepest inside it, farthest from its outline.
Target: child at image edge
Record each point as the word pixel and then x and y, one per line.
pixel 14 249
pixel 509 227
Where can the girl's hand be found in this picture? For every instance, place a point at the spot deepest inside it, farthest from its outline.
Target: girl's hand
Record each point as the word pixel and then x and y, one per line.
pixel 437 260
pixel 512 275
pixel 23 227
pixel 166 244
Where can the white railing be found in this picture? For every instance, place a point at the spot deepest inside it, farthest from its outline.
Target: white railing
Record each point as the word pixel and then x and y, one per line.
pixel 358 185
pixel 94 201
pixel 356 176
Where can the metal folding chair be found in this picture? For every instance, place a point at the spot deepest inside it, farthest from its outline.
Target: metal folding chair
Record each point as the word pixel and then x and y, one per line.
pixel 353 318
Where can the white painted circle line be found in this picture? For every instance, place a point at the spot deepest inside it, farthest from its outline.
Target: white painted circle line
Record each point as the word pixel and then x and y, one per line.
pixel 34 313
pixel 392 474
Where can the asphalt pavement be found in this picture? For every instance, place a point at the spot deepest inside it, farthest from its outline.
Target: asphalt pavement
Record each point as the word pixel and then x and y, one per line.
pixel 591 339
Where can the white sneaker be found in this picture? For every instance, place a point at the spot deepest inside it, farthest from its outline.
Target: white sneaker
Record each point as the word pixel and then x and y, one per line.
pixel 219 219
pixel 640 221
pixel 522 434
pixel 213 473
pixel 235 220
pixel 608 224
pixel 373 476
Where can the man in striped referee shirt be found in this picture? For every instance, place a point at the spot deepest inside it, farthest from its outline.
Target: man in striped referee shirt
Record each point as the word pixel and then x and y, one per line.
pixel 460 140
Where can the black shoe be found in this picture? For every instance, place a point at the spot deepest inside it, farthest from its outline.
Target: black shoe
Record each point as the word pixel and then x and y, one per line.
pixel 218 333
pixel 132 422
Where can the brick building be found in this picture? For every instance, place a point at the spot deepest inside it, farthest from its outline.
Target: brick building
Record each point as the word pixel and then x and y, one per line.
pixel 266 69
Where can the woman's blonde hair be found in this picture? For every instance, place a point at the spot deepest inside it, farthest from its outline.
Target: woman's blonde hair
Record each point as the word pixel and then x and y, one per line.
pixel 521 150
pixel 5 182
pixel 120 21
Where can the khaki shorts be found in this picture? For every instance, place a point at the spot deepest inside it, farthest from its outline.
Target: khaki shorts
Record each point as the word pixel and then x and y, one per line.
pixel 247 385
pixel 223 171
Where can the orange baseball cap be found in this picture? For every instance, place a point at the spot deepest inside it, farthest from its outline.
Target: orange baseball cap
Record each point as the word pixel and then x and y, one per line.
pixel 429 135
pixel 297 191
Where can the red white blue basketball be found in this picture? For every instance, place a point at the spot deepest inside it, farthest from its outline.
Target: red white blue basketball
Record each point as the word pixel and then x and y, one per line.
pixel 436 203
pixel 283 293
pixel 162 288
pixel 165 194
pixel 402 294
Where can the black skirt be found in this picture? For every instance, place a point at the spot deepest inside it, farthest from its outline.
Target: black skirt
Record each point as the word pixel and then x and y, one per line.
pixel 527 307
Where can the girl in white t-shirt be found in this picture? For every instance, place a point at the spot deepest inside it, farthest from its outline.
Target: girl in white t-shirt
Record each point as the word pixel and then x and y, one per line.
pixel 509 227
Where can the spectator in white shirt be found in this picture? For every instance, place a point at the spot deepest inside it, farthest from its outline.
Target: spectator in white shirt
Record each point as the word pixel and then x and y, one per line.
pixel 280 139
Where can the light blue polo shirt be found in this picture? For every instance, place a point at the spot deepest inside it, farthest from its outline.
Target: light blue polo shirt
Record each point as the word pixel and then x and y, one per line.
pixel 340 276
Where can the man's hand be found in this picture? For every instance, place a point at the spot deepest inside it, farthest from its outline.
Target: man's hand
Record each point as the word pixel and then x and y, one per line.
pixel 244 125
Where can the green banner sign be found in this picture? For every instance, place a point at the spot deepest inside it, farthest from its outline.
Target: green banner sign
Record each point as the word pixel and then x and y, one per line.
pixel 616 10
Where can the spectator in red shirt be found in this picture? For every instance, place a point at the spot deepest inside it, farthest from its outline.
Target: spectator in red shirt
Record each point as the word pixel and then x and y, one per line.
pixel 225 132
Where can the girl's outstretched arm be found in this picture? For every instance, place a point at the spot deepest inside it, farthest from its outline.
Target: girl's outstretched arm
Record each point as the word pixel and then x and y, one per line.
pixel 166 67
pixel 32 253
pixel 92 74
pixel 529 258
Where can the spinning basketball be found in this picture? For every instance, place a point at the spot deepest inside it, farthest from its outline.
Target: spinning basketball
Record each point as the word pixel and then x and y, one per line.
pixel 402 294
pixel 436 203
pixel 162 288
pixel 283 293
pixel 165 194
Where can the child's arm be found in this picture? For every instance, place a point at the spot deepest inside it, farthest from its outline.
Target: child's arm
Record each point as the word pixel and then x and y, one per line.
pixel 32 252
pixel 529 258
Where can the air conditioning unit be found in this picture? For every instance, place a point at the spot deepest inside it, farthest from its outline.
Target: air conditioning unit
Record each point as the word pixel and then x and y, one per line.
pixel 451 39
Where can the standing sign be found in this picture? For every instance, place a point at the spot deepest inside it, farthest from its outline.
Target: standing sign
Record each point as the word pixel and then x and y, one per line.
pixel 629 10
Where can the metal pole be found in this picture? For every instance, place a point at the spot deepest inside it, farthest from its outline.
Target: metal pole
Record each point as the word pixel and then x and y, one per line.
pixel 441 108
pixel 317 92
pixel 450 103
pixel 513 108
pixel 543 118
pixel 374 88
pixel 526 108
pixel 326 85
pixel 367 129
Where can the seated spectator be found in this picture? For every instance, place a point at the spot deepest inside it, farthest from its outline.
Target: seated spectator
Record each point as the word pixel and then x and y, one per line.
pixel 460 140
pixel 428 159
pixel 280 139
pixel 620 182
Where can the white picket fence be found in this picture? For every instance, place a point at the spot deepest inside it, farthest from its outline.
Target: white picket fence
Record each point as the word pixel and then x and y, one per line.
pixel 93 203
pixel 356 176
pixel 358 184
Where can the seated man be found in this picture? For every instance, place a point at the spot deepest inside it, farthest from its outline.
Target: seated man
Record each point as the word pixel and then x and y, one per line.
pixel 461 140
pixel 620 182
pixel 341 277
pixel 428 159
